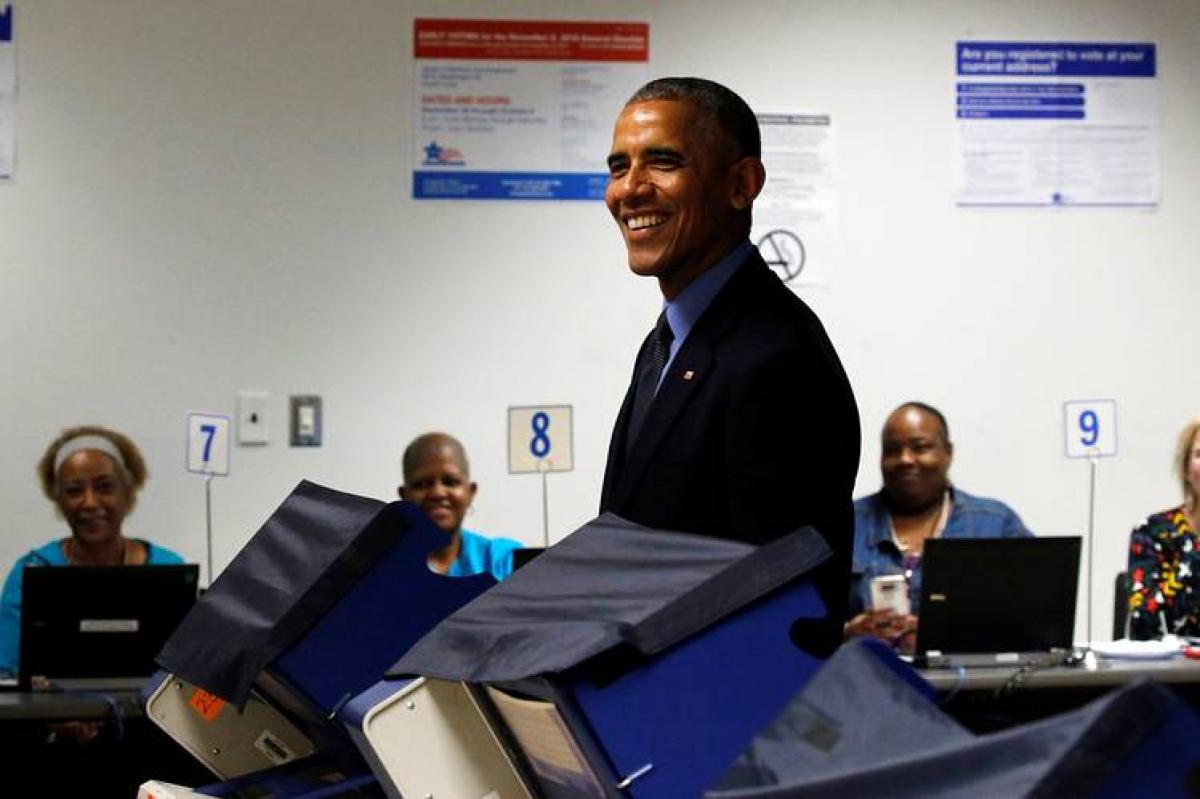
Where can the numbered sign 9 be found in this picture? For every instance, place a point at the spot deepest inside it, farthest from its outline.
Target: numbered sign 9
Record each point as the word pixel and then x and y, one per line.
pixel 208 443
pixel 1091 428
pixel 540 439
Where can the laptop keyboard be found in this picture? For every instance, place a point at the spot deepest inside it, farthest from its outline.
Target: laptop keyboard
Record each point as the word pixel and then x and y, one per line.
pixel 969 660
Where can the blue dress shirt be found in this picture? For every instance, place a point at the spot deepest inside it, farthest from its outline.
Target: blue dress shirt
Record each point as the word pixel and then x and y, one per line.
pixel 690 304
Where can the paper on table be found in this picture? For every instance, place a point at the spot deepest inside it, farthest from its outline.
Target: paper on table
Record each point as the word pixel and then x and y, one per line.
pixel 1167 647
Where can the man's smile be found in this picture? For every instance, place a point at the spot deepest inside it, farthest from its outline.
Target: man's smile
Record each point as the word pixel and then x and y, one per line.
pixel 643 221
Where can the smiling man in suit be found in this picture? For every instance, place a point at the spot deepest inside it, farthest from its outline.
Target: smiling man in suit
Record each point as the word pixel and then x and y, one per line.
pixel 739 422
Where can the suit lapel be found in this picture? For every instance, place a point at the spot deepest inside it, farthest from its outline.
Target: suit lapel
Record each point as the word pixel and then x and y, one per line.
pixel 615 467
pixel 687 374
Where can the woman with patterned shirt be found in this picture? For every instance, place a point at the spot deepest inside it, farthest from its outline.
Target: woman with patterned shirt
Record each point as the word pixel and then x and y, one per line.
pixel 1164 561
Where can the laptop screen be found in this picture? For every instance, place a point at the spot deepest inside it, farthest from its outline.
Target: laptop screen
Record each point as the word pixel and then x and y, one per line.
pixel 101 623
pixel 988 595
pixel 524 555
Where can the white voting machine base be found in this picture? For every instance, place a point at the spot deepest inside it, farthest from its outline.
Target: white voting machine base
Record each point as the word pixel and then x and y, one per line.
pixel 229 743
pixel 430 739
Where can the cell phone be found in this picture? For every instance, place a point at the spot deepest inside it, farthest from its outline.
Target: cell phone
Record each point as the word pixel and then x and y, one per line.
pixel 890 592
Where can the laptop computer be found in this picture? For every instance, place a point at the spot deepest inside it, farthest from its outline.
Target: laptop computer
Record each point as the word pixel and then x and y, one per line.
pixel 997 601
pixel 100 627
pixel 524 555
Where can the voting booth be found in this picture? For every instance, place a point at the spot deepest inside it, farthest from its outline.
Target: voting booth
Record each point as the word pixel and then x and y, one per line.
pixel 314 609
pixel 621 662
pixel 868 725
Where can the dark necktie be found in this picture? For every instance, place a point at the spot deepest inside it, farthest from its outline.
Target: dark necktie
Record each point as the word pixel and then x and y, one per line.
pixel 650 369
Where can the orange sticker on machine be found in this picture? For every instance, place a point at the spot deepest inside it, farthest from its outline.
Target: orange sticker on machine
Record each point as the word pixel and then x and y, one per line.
pixel 206 704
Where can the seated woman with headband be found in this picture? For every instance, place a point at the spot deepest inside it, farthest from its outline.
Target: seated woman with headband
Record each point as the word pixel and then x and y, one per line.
pixel 437 479
pixel 92 475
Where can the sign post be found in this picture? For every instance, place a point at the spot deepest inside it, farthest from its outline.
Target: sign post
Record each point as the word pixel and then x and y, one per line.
pixel 540 441
pixel 208 454
pixel 1090 431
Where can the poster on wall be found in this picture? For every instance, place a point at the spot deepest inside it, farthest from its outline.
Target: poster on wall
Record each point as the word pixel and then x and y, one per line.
pixel 794 214
pixel 520 109
pixel 8 92
pixel 1056 124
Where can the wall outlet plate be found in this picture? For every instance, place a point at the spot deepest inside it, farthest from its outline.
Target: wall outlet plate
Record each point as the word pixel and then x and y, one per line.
pixel 252 417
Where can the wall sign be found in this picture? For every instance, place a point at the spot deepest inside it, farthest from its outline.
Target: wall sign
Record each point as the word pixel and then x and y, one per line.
pixel 795 223
pixel 208 443
pixel 8 92
pixel 1057 124
pixel 520 109
pixel 1090 427
pixel 540 439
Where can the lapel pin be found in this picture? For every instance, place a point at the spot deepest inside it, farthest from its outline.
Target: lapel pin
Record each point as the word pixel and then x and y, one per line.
pixel 689 374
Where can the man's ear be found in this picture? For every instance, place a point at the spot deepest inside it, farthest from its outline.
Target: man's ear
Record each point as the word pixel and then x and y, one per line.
pixel 748 178
pixel 401 492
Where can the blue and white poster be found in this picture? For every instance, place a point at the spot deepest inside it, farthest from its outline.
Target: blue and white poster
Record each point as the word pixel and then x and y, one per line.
pixel 1056 124
pixel 8 91
pixel 520 109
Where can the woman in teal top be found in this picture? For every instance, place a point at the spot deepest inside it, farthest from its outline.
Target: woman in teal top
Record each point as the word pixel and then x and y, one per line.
pixel 437 479
pixel 92 475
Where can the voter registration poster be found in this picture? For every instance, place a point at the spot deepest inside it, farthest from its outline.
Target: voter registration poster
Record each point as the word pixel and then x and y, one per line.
pixel 520 109
pixel 8 91
pixel 1057 124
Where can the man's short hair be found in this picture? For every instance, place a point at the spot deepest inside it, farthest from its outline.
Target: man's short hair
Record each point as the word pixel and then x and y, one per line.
pixel 735 121
pixel 932 411
pixel 428 446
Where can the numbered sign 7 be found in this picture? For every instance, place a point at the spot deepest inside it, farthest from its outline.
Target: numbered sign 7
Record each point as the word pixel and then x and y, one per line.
pixel 208 443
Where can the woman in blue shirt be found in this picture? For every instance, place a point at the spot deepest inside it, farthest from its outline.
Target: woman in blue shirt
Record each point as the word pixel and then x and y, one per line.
pixel 92 475
pixel 437 479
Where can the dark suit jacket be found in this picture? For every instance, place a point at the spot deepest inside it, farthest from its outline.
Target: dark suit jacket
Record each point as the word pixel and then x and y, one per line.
pixel 754 431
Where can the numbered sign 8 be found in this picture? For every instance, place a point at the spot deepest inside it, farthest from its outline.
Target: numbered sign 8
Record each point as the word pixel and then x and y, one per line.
pixel 1091 428
pixel 208 443
pixel 540 439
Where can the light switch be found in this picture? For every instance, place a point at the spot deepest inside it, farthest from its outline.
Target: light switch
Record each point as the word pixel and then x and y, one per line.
pixel 252 417
pixel 305 420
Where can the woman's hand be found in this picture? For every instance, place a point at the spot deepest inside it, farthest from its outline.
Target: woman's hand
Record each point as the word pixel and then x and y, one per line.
pixel 897 631
pixel 79 733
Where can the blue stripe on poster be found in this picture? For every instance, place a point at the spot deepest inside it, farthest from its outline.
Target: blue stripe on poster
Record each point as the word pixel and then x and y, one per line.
pixel 1021 89
pixel 1019 102
pixel 443 185
pixel 1021 113
pixel 6 24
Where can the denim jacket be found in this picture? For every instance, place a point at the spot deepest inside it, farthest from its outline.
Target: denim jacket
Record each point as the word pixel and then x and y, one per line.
pixel 875 553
